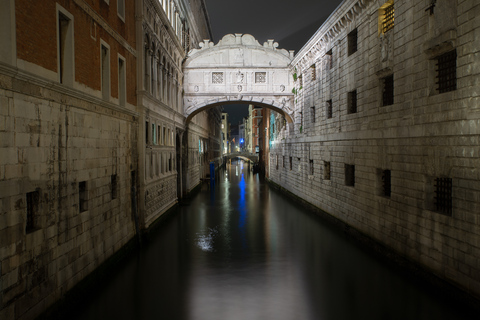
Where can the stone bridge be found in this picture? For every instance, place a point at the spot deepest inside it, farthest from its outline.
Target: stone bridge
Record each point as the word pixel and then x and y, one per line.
pixel 242 155
pixel 238 70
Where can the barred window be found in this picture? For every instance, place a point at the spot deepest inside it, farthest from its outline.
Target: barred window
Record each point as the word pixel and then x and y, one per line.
pixel 329 109
pixel 217 77
pixel 447 71
pixel 443 195
pixel 386 183
pixel 352 42
pixel 326 170
pixel 311 167
pixel 260 77
pixel 387 95
pixel 352 102
pixel 350 175
pixel 388 18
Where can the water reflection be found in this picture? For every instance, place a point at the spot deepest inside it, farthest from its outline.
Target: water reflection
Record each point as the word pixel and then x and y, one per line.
pixel 249 253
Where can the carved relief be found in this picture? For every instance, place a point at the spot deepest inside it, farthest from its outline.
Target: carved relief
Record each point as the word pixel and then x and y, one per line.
pixel 240 77
pixel 386 47
pixel 240 88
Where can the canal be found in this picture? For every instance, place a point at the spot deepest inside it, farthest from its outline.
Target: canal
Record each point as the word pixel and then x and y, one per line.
pixel 240 250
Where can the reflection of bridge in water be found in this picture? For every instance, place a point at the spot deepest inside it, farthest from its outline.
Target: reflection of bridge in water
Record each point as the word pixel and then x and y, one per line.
pixel 242 155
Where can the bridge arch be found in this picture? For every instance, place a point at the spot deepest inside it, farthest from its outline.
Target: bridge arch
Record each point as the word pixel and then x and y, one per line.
pixel 238 70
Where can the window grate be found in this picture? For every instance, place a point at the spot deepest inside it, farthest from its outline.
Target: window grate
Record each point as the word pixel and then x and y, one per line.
pixel 329 109
pixel 352 42
pixel 291 163
pixel 388 18
pixel 260 77
pixel 352 101
pixel 388 90
pixel 350 175
pixel 387 183
pixel 443 195
pixel 447 71
pixel 217 77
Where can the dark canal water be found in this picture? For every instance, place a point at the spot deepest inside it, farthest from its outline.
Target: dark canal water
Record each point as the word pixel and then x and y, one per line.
pixel 243 251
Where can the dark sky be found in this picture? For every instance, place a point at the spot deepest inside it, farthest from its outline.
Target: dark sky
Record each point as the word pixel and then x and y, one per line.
pixel 290 23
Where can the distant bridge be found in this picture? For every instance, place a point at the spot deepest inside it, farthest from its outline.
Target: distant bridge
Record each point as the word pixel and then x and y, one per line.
pixel 242 155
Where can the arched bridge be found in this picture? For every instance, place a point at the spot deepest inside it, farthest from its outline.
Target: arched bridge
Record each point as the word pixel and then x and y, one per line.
pixel 238 70
pixel 242 155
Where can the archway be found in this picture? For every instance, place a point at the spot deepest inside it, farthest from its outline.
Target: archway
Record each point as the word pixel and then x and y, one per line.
pixel 238 70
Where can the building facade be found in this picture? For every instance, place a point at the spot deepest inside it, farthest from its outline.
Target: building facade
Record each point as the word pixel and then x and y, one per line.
pixel 386 129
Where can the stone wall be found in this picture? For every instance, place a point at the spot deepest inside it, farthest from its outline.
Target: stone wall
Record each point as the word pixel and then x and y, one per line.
pixel 384 167
pixel 53 233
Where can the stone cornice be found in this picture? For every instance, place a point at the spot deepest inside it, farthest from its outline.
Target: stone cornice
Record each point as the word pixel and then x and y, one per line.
pixel 321 41
pixel 102 23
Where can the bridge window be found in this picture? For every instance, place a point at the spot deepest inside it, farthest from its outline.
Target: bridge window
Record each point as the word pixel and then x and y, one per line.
pixel 260 77
pixel 387 16
pixel 217 77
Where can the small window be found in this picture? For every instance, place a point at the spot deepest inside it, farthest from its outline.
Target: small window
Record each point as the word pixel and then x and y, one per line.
pixel 154 133
pixel 65 43
pixel 352 102
pixel 122 87
pixel 312 112
pixel 291 163
pixel 387 94
pixel 121 9
pixel 113 186
pixel 82 196
pixel 276 162
pixel 147 136
pixel 352 42
pixel 326 170
pixel 350 175
pixel 311 167
pixel 260 77
pixel 329 57
pixel 105 71
pixel 329 109
pixel 443 195
pixel 33 199
pixel 283 161
pixel 388 18
pixel 217 77
pixel 313 72
pixel 447 71
pixel 386 183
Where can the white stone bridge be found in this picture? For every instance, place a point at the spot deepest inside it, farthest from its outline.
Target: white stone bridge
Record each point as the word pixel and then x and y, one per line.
pixel 242 155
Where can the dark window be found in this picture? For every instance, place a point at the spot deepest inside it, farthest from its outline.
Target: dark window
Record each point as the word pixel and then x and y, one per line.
pixel 352 42
pixel 326 170
pixel 352 102
pixel 443 195
pixel 82 196
pixel 147 140
pixel 447 71
pixel 113 185
pixel 329 56
pixel 387 96
pixel 312 109
pixel 349 175
pixel 283 161
pixel 276 162
pixel 388 18
pixel 291 164
pixel 33 199
pixel 313 70
pixel 386 183
pixel 311 167
pixel 329 109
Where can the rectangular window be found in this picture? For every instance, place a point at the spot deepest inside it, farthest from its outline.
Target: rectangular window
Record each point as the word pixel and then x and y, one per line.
pixel 291 163
pixel 113 186
pixel 313 71
pixel 352 102
pixel 388 18
pixel 311 167
pixel 447 71
pixel 352 42
pixel 122 86
pixel 312 111
pixel 387 94
pixel 121 9
pixel 105 71
pixel 283 161
pixel 329 57
pixel 329 107
pixel 326 170
pixel 65 47
pixel 33 199
pixel 147 136
pixel 350 175
pixel 276 163
pixel 154 133
pixel 217 77
pixel 260 77
pixel 386 183
pixel 443 195
pixel 82 196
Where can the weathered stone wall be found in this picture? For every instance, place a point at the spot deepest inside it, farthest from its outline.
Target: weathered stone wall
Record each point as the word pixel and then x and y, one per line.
pixel 48 148
pixel 423 135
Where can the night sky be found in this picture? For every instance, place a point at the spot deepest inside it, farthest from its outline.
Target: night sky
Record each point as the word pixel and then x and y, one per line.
pixel 290 23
